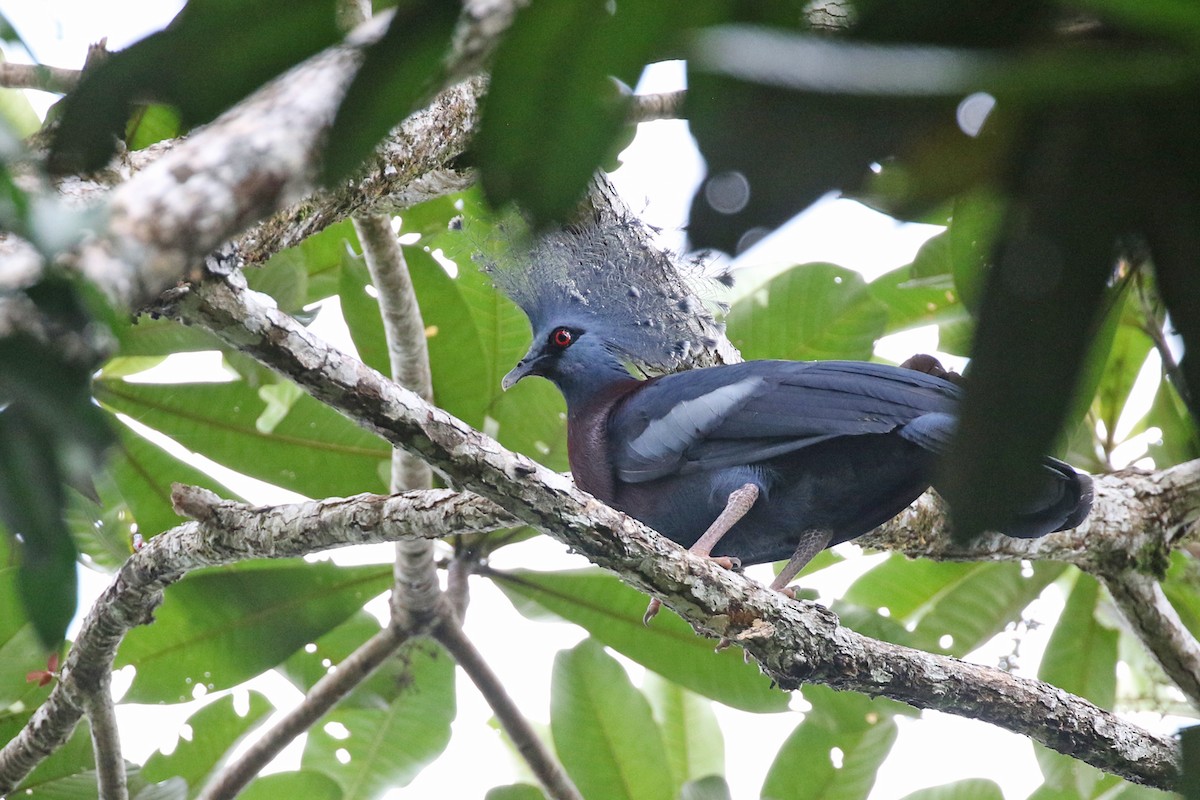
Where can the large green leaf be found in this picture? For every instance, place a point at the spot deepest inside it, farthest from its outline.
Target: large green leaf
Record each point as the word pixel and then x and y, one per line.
pixel 303 784
pixel 861 729
pixel 311 663
pixel 550 83
pixel 20 650
pixel 397 72
pixel 690 733
pixel 143 473
pixel 921 293
pixel 612 613
pixel 812 311
pixel 257 39
pixel 219 627
pixel 313 450
pixel 603 730
pixel 969 603
pixel 216 728
pixel 389 746
pixel 1081 657
pixel 970 789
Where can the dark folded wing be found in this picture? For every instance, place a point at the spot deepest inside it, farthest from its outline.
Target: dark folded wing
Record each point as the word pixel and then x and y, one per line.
pixel 747 413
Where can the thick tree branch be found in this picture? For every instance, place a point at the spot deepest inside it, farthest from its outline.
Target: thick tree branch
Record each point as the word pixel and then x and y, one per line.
pixel 324 695
pixel 794 642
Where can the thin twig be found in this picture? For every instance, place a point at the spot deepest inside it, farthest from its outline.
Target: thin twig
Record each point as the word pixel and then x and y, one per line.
pixel 543 763
pixel 324 695
pixel 106 742
pixel 653 107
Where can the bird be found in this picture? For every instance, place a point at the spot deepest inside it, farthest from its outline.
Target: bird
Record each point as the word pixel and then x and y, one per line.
pixel 744 463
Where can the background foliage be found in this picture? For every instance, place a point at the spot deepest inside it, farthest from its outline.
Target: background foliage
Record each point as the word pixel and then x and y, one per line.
pixel 1086 162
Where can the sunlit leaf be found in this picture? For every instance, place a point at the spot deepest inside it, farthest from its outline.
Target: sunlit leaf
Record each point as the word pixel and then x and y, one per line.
pixel 603 729
pixel 612 613
pixel 215 729
pixel 219 627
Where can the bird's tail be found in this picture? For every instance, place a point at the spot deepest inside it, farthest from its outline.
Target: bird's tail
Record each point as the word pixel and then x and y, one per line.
pixel 1063 500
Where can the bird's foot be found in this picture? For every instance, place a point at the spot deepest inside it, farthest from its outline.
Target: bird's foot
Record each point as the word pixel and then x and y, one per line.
pixel 726 562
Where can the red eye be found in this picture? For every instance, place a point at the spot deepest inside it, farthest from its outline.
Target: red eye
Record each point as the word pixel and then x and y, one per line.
pixel 562 337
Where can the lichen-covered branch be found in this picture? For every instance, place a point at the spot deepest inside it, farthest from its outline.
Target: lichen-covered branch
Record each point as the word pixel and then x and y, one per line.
pixel 224 532
pixel 58 80
pixel 794 642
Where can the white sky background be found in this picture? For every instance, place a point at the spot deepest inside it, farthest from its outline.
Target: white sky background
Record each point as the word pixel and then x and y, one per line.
pixel 661 169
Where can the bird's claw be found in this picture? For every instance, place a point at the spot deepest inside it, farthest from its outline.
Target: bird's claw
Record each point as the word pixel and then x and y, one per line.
pixel 651 610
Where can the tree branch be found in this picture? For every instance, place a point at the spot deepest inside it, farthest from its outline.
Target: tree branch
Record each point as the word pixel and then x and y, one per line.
pixel 324 695
pixel 793 642
pixel 545 766
pixel 106 742
pixel 58 80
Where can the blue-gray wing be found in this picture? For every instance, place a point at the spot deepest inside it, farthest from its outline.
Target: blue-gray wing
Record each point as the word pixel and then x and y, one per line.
pixel 747 413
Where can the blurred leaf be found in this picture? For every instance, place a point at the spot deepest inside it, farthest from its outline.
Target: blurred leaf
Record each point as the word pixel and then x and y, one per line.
pixel 550 82
pixel 389 746
pixel 256 39
pixel 1181 585
pixel 147 336
pixel 1051 270
pixel 314 451
pixel 861 728
pixel 219 627
pixel 974 229
pixel 695 747
pixel 812 311
pixel 603 730
pixel 216 728
pixel 612 613
pixel 285 279
pixel 16 113
pixel 151 124
pixel 1189 785
pixel 712 787
pixel 515 791
pixel 397 73
pixel 304 784
pixel 970 789
pixel 20 650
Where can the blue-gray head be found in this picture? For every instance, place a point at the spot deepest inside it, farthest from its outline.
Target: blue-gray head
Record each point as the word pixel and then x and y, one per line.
pixel 600 302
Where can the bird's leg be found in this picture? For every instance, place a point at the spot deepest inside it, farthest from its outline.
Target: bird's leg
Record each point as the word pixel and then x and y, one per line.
pixel 811 542
pixel 740 502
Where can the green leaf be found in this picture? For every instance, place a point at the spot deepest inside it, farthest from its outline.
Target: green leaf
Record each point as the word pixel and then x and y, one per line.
pixel 970 603
pixel 812 311
pixel 970 789
pixel 68 772
pixel 712 787
pixel 1081 655
pixel 308 665
pixel 550 83
pixel 389 746
pixel 216 728
pixel 303 784
pixel 20 650
pixel 921 293
pixel 603 729
pixel 612 613
pixel 32 501
pixel 690 733
pixel 285 279
pixel 219 627
pixel 152 124
pixel 1189 739
pixel 861 729
pixel 257 39
pixel 1180 440
pixel 1182 587
pixel 314 451
pixel 143 473
pixel 397 73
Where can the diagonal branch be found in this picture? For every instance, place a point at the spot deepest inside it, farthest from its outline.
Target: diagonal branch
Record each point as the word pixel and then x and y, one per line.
pixel 793 642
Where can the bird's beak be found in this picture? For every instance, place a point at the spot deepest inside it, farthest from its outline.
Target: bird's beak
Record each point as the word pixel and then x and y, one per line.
pixel 523 368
